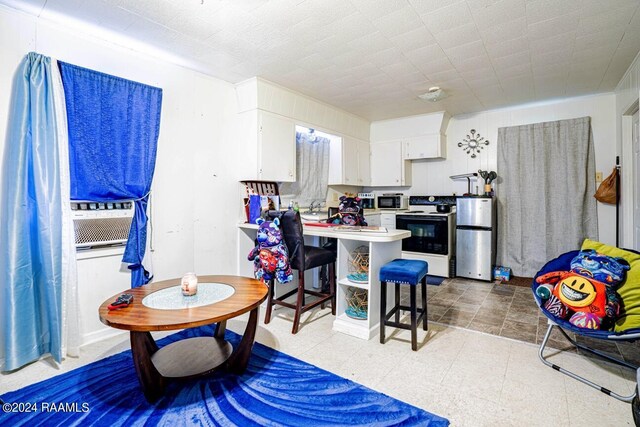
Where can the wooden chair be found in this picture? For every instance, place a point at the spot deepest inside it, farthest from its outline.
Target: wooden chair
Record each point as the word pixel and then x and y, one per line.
pixel 302 258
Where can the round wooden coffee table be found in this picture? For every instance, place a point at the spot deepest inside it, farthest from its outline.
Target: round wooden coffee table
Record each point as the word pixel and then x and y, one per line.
pixel 161 306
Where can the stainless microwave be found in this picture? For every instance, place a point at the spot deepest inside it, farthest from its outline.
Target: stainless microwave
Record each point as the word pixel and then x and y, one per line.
pixel 393 202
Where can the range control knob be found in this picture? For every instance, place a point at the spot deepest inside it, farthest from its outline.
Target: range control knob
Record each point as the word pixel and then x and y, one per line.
pixel 432 199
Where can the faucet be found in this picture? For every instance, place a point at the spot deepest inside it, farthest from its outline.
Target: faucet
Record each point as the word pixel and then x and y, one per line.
pixel 313 206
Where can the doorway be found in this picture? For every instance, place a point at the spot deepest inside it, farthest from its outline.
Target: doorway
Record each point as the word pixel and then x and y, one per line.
pixel 635 144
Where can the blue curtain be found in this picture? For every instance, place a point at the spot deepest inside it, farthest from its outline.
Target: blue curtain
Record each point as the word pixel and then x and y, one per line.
pixel 30 222
pixel 113 136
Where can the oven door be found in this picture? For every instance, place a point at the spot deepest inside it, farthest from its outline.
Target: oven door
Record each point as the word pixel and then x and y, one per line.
pixel 429 234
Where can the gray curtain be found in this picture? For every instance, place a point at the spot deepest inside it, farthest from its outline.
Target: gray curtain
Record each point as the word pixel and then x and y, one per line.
pixel 545 200
pixel 312 170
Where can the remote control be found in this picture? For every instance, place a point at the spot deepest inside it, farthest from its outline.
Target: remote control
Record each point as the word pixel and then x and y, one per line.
pixel 122 301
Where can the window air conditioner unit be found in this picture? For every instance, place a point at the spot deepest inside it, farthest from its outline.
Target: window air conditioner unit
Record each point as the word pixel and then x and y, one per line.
pixel 101 223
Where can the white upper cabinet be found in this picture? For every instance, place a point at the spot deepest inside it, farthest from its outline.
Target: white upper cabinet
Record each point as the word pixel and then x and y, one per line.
pixel 350 163
pixel 429 146
pixel 273 138
pixel 364 163
pixel 388 168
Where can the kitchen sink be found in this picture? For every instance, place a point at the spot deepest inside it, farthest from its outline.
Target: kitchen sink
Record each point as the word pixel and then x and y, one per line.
pixel 313 216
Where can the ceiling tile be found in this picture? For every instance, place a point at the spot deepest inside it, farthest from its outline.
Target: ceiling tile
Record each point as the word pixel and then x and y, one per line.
pixel 458 36
pixel 469 50
pixel 564 42
pixel 429 6
pixel 515 60
pixel 598 7
pixel 523 70
pixel 609 37
pixel 374 10
pixel 192 27
pixel 507 48
pixel 435 66
pixel 498 13
pixel 559 25
pixel 602 53
pixel 543 10
pixel 447 18
pixel 413 39
pixel 611 19
pixel 398 22
pixel 480 62
pixel 425 54
pixel 514 29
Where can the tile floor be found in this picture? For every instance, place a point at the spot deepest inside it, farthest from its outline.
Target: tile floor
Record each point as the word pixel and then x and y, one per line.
pixel 508 311
pixel 473 378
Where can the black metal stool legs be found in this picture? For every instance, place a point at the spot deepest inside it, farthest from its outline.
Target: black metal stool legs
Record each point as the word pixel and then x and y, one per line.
pixel 424 303
pixel 383 310
pixel 416 314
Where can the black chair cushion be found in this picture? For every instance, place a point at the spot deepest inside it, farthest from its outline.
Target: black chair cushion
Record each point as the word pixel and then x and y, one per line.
pixel 315 257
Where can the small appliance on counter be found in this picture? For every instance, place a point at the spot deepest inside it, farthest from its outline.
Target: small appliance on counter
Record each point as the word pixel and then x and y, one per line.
pixel 475 237
pixel 367 200
pixel 395 201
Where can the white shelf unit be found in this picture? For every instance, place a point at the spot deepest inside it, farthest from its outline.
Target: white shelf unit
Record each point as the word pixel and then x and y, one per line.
pixel 379 254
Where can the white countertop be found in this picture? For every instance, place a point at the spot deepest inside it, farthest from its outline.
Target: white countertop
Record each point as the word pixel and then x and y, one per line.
pixel 363 236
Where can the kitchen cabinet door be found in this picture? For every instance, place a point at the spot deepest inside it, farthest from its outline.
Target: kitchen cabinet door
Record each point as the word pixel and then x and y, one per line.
pixel 388 220
pixel 430 146
pixel 349 161
pixel 388 168
pixel 373 220
pixel 276 148
pixel 364 163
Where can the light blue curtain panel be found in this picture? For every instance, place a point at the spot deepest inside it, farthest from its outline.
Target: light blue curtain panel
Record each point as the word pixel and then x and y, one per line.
pixel 30 222
pixel 114 125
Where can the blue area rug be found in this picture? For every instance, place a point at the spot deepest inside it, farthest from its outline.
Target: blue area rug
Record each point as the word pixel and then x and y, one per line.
pixel 276 390
pixel 435 280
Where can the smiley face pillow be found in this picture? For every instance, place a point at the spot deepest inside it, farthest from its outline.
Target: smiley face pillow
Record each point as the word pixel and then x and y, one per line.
pixel 587 294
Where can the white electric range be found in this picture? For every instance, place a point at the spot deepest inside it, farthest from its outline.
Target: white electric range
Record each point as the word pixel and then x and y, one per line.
pixel 433 236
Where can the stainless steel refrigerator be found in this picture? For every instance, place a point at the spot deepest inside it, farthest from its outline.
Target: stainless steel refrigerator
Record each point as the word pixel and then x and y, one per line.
pixel 475 237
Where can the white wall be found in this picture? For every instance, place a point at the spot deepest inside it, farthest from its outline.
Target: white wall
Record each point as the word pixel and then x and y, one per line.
pixel 195 198
pixel 432 176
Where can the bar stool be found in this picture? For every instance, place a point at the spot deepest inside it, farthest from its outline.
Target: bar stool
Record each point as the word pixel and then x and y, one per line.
pixel 302 258
pixel 404 272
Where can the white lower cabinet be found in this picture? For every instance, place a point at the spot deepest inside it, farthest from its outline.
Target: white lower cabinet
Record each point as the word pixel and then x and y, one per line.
pixel 388 220
pixel 373 220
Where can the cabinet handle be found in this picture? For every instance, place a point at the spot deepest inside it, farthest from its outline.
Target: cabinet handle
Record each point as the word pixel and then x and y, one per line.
pixel 290 173
pixel 397 180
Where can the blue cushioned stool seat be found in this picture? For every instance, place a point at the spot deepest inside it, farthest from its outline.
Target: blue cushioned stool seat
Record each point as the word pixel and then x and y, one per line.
pixel 404 272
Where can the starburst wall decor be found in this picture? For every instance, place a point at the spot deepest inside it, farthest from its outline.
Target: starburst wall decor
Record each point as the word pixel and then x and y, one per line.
pixel 473 143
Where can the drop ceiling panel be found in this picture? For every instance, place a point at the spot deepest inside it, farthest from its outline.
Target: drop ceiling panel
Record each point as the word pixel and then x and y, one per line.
pixel 374 57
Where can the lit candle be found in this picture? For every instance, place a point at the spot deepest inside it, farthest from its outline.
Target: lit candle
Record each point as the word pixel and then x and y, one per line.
pixel 189 284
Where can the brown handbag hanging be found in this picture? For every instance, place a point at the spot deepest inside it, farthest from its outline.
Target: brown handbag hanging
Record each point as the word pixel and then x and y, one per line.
pixel 607 191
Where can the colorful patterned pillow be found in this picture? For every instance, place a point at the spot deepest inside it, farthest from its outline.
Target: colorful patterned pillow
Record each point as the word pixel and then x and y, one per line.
pixel 630 289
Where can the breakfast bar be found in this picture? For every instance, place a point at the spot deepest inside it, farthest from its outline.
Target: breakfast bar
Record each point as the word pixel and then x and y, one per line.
pixel 382 247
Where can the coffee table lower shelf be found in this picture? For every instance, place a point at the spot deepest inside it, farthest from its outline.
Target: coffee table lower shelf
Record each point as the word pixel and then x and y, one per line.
pixel 191 357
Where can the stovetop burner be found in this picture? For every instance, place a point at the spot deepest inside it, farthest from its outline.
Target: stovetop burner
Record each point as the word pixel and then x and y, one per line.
pixel 432 200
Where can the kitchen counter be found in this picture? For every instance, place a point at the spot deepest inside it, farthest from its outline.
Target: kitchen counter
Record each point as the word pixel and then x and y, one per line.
pixel 382 248
pixel 391 235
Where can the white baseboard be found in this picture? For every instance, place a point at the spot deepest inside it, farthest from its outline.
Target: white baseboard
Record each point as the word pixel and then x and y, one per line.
pixel 100 335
